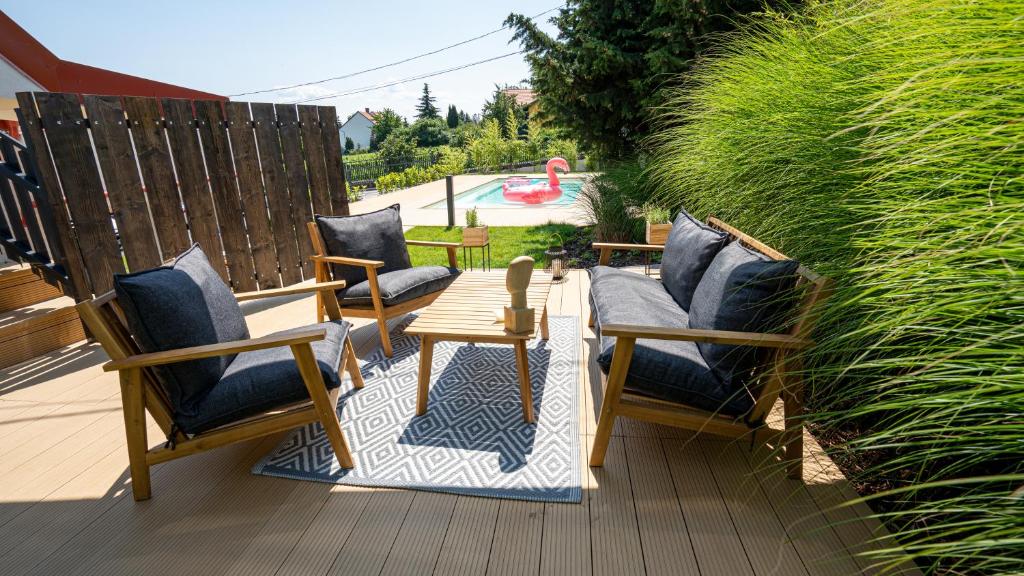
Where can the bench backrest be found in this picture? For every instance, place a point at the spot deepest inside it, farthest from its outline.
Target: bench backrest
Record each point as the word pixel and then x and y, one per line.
pixel 814 290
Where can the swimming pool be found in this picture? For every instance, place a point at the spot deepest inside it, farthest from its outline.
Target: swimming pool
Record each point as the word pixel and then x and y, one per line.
pixel 488 195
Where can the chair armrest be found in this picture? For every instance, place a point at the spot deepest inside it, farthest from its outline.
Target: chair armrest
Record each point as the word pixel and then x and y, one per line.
pixel 434 244
pixel 624 246
pixel 348 261
pixel 712 336
pixel 219 349
pixel 289 290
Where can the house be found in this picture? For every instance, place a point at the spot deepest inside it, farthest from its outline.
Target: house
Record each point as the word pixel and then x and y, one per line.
pixel 27 65
pixel 359 127
pixel 525 97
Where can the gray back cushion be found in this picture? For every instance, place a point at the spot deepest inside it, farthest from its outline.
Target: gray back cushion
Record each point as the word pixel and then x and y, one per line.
pixel 373 236
pixel 177 306
pixel 690 248
pixel 743 291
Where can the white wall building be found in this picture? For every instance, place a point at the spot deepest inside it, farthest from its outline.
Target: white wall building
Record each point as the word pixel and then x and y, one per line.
pixel 358 127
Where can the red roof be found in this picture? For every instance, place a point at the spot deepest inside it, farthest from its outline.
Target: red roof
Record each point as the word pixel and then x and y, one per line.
pixel 56 75
pixel 523 96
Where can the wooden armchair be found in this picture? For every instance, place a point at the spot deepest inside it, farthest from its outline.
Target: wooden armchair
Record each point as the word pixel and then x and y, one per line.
pixel 378 288
pixel 141 390
pixel 781 376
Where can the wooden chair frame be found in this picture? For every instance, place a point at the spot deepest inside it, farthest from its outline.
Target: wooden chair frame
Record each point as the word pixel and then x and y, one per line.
pixel 382 313
pixel 782 378
pixel 140 392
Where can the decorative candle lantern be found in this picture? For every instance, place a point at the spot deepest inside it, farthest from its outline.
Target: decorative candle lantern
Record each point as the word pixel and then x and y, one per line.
pixel 554 262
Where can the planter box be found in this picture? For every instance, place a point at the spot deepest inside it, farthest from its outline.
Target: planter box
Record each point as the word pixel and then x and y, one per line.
pixel 658 233
pixel 473 237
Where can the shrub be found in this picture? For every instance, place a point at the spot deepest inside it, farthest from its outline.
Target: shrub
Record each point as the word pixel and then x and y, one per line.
pixel 880 142
pixel 613 201
pixel 654 214
pixel 472 218
pixel 429 132
pixel 399 148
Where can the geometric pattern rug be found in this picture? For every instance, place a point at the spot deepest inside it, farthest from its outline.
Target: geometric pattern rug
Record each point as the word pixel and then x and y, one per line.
pixel 472 440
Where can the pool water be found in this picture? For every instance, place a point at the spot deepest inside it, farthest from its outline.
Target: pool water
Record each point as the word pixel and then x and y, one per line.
pixel 488 195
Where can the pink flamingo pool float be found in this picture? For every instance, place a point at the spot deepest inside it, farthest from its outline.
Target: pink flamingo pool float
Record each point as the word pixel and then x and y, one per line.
pixel 519 189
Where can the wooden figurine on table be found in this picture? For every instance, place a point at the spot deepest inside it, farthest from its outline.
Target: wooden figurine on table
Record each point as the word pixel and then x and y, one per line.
pixel 519 318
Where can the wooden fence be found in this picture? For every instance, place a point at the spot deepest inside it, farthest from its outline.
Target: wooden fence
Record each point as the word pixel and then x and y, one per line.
pixel 131 182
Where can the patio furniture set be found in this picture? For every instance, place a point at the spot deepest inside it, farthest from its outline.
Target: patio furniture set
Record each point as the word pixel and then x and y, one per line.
pixel 710 346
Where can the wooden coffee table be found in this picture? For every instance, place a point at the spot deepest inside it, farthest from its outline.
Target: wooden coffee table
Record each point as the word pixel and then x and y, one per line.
pixel 465 312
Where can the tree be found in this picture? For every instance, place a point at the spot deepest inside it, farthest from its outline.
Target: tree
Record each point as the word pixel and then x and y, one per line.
pixel 398 150
pixel 349 144
pixel 426 108
pixel 503 108
pixel 386 122
pixel 453 117
pixel 604 73
pixel 429 132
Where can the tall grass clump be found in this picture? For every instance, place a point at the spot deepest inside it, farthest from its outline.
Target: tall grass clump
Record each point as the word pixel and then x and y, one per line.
pixel 880 142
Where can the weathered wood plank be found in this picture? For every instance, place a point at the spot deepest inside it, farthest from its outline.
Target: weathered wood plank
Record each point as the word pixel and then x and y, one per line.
pixel 192 181
pixel 225 194
pixel 467 542
pixel 312 145
pixel 147 127
pixel 279 201
pixel 250 187
pixel 298 182
pixel 80 180
pixel 333 158
pixel 124 186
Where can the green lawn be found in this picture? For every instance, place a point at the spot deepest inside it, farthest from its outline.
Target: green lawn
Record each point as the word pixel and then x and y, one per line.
pixel 507 242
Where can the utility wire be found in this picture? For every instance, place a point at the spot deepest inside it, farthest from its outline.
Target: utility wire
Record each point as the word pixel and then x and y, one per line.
pixel 404 80
pixel 382 66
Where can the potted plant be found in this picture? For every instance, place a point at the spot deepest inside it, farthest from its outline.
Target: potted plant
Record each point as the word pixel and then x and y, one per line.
pixel 659 224
pixel 475 232
pixel 554 257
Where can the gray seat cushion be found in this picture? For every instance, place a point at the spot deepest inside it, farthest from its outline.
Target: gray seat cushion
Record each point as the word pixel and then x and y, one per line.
pixel 261 380
pixel 400 285
pixel 177 306
pixel 690 248
pixel 373 236
pixel 664 369
pixel 744 291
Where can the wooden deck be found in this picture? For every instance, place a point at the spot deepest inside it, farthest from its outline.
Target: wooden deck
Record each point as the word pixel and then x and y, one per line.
pixel 664 503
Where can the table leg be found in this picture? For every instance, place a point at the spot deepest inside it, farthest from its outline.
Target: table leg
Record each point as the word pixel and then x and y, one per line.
pixel 523 367
pixel 544 332
pixel 423 390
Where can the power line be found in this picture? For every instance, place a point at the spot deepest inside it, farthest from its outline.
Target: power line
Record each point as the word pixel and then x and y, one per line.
pixel 404 80
pixel 382 66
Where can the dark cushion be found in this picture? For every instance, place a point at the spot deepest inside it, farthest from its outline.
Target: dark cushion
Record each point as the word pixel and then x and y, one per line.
pixel 400 286
pixel 177 306
pixel 689 249
pixel 373 236
pixel 667 370
pixel 744 291
pixel 261 380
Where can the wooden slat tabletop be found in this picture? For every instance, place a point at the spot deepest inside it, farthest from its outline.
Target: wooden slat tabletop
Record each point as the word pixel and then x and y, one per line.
pixel 468 308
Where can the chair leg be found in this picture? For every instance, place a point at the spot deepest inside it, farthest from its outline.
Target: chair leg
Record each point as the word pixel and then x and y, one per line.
pixel 793 436
pixel 322 403
pixel 133 404
pixel 352 364
pixel 613 392
pixel 385 339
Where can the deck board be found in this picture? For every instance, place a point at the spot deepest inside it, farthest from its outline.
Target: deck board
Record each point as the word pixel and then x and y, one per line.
pixel 665 502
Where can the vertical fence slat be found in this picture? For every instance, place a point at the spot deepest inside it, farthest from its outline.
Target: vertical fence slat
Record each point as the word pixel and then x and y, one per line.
pixel 52 208
pixel 195 191
pixel 312 144
pixel 29 221
pixel 278 196
pixel 332 157
pixel 225 193
pixel 298 183
pixel 147 129
pixel 17 231
pixel 74 161
pixel 250 187
pixel 121 176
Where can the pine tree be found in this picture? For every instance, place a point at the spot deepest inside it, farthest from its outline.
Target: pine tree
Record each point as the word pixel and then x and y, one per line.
pixel 509 124
pixel 426 108
pixel 453 117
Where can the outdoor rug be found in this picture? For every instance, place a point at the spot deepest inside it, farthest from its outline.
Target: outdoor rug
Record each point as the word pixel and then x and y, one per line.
pixel 472 440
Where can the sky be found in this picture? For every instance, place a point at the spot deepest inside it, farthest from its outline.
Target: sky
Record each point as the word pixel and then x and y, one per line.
pixel 230 47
